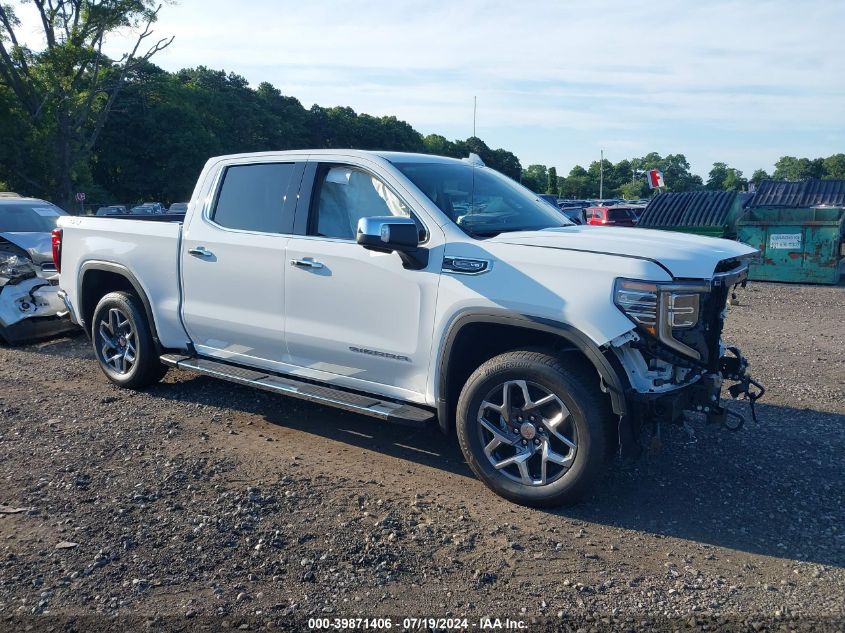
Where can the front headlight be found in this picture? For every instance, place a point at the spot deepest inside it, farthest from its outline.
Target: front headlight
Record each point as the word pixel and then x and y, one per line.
pixel 658 308
pixel 683 310
pixel 639 301
pixel 15 268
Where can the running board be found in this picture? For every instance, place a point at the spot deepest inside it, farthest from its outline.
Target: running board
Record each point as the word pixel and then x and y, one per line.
pixel 287 386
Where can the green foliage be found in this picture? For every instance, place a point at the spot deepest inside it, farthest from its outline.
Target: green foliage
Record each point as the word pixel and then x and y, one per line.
pixel 125 130
pixel 724 178
pixel 759 176
pixel 834 167
pixel 67 90
pixel 552 182
pixel 791 168
pixel 632 190
pixel 535 177
pixel 166 126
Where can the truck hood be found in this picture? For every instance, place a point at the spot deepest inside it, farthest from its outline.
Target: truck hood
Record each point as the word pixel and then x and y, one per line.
pixel 37 245
pixel 685 256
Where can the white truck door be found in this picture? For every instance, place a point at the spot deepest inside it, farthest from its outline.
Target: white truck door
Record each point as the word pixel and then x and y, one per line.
pixel 355 317
pixel 233 264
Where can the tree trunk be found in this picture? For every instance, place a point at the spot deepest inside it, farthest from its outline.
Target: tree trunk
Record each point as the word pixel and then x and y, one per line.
pixel 64 161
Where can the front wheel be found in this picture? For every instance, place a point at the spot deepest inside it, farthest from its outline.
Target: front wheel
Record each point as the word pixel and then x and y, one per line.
pixel 532 429
pixel 123 342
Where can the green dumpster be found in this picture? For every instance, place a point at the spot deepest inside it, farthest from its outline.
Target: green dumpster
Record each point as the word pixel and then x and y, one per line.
pixel 796 245
pixel 709 213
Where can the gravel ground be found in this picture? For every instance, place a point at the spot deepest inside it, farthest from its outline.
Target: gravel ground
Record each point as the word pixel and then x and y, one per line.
pixel 201 504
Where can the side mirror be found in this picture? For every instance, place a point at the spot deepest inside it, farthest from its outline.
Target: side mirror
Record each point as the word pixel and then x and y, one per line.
pixel 386 234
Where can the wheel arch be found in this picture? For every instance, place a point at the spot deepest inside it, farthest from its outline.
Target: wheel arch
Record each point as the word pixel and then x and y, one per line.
pixel 97 279
pixel 510 331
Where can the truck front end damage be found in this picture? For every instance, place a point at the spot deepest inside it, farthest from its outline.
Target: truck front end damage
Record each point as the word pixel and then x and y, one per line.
pixel 30 306
pixel 674 359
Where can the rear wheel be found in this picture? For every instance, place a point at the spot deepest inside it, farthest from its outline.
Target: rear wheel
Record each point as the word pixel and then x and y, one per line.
pixel 532 429
pixel 123 342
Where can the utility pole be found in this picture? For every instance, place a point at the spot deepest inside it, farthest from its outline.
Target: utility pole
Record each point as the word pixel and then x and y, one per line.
pixel 601 176
pixel 474 109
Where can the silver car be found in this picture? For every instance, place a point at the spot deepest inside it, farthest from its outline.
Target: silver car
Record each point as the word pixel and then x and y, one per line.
pixel 30 306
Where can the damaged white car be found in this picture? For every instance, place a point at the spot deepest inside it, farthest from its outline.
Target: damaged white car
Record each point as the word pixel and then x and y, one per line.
pixel 30 307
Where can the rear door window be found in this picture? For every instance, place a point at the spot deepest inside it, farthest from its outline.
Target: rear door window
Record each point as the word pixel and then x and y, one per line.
pixel 252 197
pixel 619 214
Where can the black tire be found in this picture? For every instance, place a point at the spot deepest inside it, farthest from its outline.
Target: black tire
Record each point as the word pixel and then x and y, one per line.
pixel 145 369
pixel 586 423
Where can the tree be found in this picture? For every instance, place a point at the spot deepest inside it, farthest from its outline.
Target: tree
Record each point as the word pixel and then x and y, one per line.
pixel 535 177
pixel 724 178
pixel 575 185
pixel 759 176
pixel 676 171
pixel 68 89
pixel 791 168
pixel 439 145
pixel 834 167
pixel 632 190
pixel 552 182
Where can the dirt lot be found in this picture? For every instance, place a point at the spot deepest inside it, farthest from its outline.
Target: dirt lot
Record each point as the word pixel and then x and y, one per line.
pixel 204 504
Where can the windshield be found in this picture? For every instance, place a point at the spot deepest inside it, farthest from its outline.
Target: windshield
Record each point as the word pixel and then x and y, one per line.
pixel 29 217
pixel 482 201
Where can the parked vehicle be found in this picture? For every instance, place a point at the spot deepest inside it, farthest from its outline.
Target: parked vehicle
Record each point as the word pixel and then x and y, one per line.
pixel 411 288
pixel 637 211
pixel 574 215
pixel 610 216
pixel 30 306
pixel 178 207
pixel 114 209
pixel 143 209
pixel 157 207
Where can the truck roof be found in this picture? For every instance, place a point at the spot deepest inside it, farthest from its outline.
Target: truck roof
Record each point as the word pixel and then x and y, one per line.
pixel 393 157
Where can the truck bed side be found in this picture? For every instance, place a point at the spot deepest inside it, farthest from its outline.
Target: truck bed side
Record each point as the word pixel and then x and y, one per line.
pixel 145 253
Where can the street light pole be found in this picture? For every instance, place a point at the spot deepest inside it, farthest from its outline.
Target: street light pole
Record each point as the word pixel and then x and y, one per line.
pixel 601 176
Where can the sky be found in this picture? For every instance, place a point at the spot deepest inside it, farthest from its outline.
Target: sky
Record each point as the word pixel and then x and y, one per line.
pixel 738 81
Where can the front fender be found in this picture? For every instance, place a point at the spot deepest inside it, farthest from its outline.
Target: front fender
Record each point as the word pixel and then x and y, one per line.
pixel 613 378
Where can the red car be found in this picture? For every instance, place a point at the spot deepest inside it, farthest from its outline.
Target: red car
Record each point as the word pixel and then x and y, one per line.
pixel 611 216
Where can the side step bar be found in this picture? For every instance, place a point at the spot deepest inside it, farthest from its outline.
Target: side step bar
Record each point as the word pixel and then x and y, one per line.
pixel 287 386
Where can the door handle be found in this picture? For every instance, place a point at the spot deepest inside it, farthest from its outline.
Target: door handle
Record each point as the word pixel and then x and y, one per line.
pixel 306 263
pixel 200 251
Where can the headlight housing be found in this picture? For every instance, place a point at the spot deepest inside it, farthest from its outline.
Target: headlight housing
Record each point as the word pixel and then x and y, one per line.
pixel 15 267
pixel 659 308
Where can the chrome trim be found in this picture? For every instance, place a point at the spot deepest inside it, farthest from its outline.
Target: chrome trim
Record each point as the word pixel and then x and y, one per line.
pixel 449 263
pixel 63 296
pixel 286 385
pixel 306 263
pixel 200 251
pixel 664 328
pixel 731 277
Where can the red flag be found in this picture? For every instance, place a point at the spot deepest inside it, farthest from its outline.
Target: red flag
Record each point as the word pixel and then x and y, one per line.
pixel 655 178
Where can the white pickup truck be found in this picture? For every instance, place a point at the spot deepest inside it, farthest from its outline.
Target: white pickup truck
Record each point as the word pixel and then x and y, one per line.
pixel 413 288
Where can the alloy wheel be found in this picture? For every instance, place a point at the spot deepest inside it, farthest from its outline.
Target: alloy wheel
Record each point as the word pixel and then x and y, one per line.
pixel 527 432
pixel 117 345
